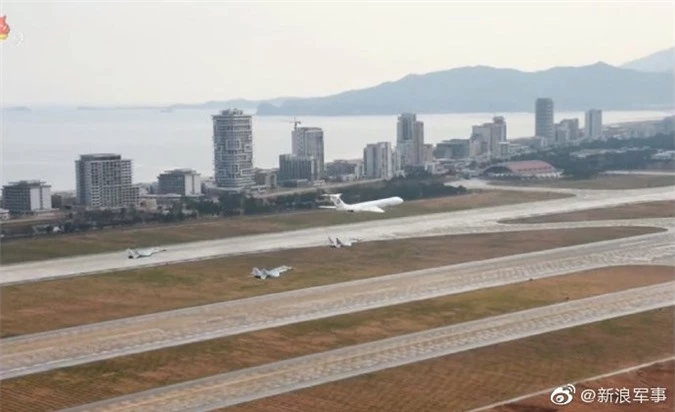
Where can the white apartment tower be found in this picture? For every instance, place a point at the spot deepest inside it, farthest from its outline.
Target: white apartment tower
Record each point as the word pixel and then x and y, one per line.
pixel 410 139
pixel 378 161
pixel 308 141
pixel 233 149
pixel 104 180
pixel 543 119
pixel 593 124
pixel 26 196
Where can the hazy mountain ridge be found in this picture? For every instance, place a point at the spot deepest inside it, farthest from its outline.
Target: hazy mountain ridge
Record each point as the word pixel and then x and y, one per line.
pixel 224 104
pixel 487 89
pixel 661 61
pixel 635 85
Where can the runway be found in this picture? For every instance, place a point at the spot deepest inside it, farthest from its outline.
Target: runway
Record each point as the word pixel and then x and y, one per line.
pixel 460 222
pixel 275 378
pixel 67 347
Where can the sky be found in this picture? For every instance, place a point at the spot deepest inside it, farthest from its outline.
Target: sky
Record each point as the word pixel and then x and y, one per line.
pixel 141 52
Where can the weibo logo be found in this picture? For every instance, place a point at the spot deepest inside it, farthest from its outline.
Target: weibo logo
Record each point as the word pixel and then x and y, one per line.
pixel 4 28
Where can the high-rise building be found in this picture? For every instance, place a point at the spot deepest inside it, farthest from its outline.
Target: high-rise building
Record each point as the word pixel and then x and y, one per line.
pixel 184 182
pixel 489 136
pixel 497 136
pixel 293 167
pixel 410 139
pixel 104 180
pixel 566 131
pixel 27 196
pixel 593 124
pixel 308 141
pixel 428 153
pixel 233 149
pixel 378 161
pixel 572 127
pixel 543 119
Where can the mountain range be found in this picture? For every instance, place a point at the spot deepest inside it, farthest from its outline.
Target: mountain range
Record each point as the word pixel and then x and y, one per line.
pixel 645 83
pixel 660 61
pixel 488 89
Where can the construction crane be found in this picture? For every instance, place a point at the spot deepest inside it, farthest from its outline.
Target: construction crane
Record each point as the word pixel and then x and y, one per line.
pixel 295 122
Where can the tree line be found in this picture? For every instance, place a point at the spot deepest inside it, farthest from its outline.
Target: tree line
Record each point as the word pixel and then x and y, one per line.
pixel 638 155
pixel 228 205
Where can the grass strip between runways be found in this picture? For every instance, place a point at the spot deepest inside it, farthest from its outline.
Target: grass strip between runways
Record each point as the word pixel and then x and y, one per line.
pixel 124 375
pixel 646 210
pixel 487 375
pixel 43 306
pixel 119 239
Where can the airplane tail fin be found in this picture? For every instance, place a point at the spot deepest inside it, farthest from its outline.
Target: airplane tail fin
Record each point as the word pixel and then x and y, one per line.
pixel 335 198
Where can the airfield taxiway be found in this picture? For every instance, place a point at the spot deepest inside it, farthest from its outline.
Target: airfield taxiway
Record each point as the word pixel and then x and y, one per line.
pixel 481 220
pixel 275 378
pixel 72 346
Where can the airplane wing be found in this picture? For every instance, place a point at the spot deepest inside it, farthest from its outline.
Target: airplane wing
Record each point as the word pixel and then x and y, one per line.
pixel 326 207
pixel 373 209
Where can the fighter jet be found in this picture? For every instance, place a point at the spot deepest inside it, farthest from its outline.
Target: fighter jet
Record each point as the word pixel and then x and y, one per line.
pixel 345 243
pixel 337 243
pixel 141 253
pixel 271 273
pixel 374 206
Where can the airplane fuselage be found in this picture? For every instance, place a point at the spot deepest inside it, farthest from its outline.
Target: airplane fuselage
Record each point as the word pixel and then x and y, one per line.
pixel 381 203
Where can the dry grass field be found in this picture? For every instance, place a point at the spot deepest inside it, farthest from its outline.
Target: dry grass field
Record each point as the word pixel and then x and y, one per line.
pixel 108 240
pixel 87 383
pixel 602 182
pixel 645 210
pixel 484 376
pixel 41 306
pixel 660 375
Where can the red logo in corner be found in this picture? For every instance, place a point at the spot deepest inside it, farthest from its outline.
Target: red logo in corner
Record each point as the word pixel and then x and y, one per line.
pixel 4 28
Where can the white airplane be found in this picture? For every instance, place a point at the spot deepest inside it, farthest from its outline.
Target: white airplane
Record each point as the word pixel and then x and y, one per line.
pixel 340 243
pixel 374 206
pixel 141 253
pixel 271 273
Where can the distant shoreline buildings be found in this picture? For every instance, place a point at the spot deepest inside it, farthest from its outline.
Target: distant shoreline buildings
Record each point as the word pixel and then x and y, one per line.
pixel 105 180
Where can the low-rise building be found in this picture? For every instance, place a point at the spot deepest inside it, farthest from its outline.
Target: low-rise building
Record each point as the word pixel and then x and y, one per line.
pixel 528 169
pixel 452 149
pixel 27 197
pixel 345 170
pixel 292 167
pixel 266 178
pixel 184 182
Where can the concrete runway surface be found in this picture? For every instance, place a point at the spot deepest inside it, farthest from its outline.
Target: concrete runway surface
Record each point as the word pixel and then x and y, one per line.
pixel 33 353
pixel 459 222
pixel 275 378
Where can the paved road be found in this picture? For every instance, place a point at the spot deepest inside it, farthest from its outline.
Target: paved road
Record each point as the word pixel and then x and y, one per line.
pixel 280 377
pixel 643 172
pixel 466 221
pixel 66 347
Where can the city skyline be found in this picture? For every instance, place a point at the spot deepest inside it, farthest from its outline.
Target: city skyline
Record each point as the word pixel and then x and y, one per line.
pixel 267 34
pixel 341 130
